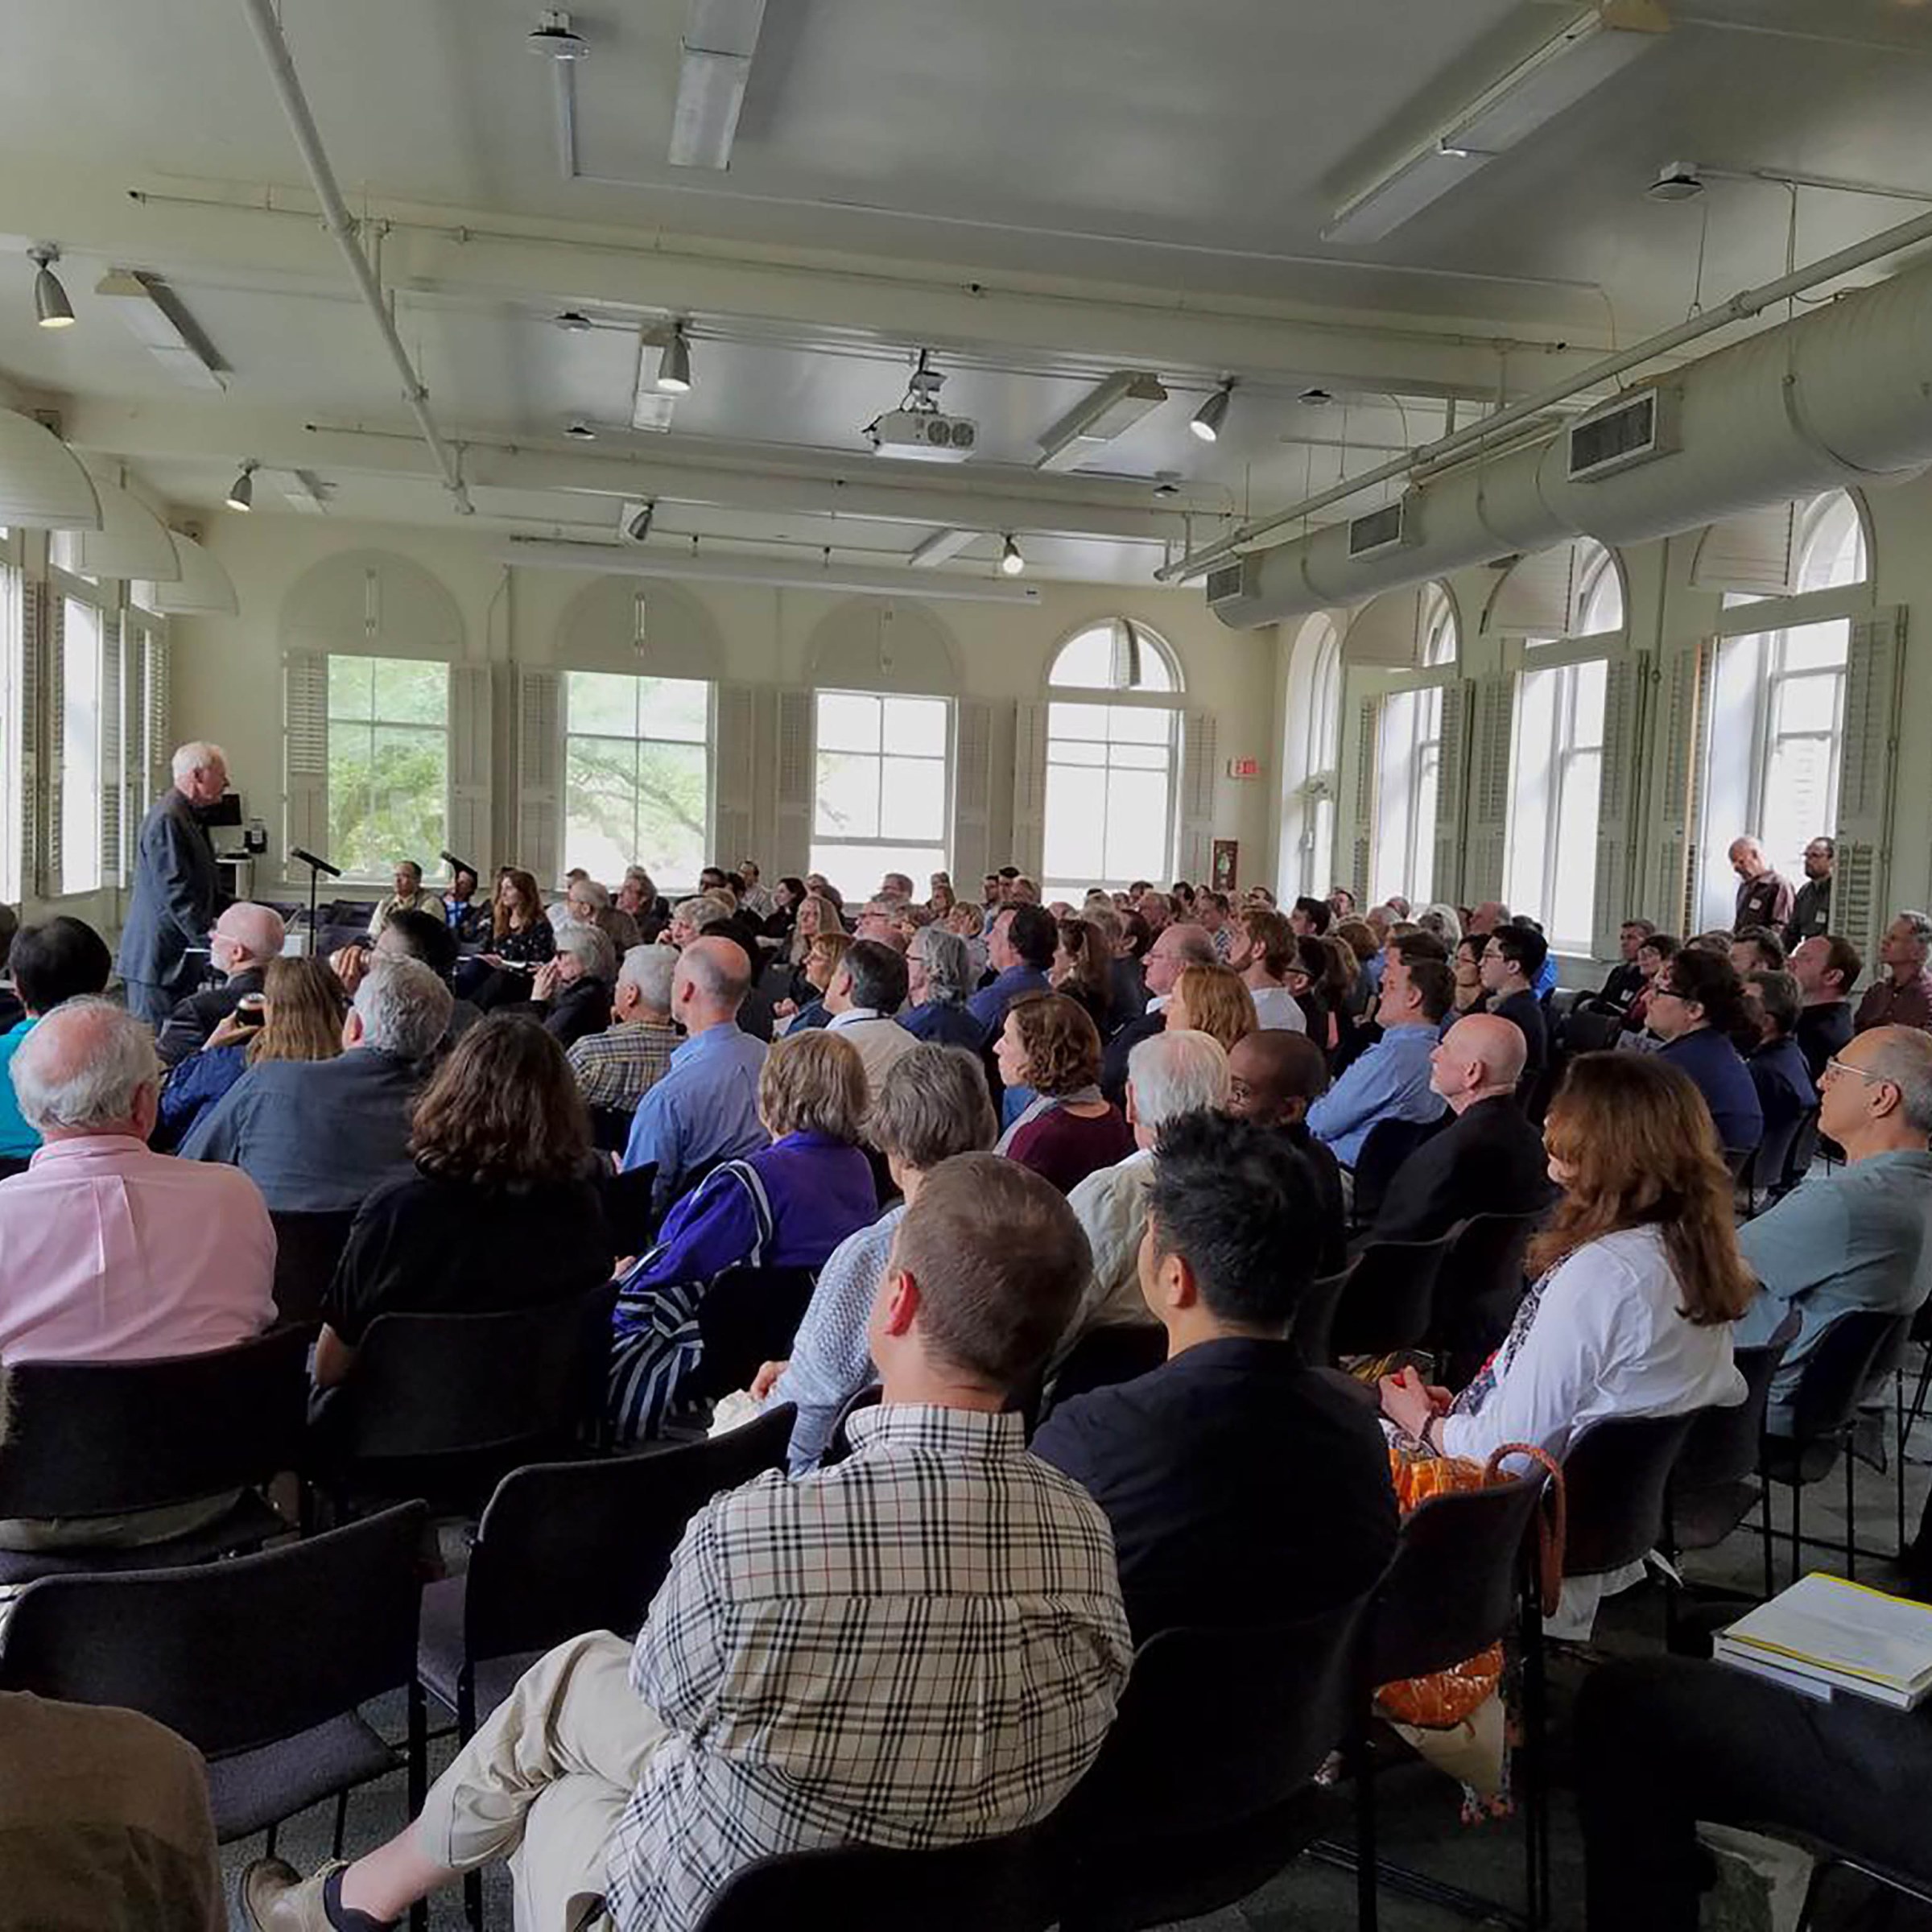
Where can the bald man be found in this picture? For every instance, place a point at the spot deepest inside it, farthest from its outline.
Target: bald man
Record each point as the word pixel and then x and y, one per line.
pixel 1274 1078
pixel 1489 1159
pixel 245 938
pixel 704 1109
pixel 1765 896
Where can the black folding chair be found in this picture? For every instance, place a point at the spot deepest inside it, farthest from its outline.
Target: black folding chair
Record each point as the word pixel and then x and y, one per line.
pixel 748 1317
pixel 107 1439
pixel 442 1406
pixel 1385 1147
pixel 1616 1475
pixel 838 1445
pixel 307 1248
pixel 262 1663
pixel 1203 1789
pixel 1797 1163
pixel 632 1220
pixel 1313 1322
pixel 1772 1157
pixel 1389 1302
pixel 1117 1353
pixel 1482 1282
pixel 610 1130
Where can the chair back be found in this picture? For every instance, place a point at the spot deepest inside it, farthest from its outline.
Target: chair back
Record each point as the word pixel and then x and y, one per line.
pixel 1385 1147
pixel 1483 1280
pixel 748 1317
pixel 1846 1362
pixel 1313 1328
pixel 1766 1170
pixel 583 1545
pixel 1219 1724
pixel 308 1247
pixel 610 1130
pixel 105 1439
pixel 1797 1162
pixel 838 1445
pixel 1102 1356
pixel 1737 1159
pixel 455 1389
pixel 1456 1582
pixel 236 1654
pixel 1724 1445
pixel 627 1207
pixel 1615 1476
pixel 1390 1296
pixel 1591 1031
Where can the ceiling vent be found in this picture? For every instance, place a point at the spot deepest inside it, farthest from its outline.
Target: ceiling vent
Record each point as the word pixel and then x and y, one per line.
pixel 1230 581
pixel 1630 431
pixel 1388 528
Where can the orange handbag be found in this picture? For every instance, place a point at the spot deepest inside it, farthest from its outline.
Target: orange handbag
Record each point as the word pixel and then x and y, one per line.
pixel 1447 1698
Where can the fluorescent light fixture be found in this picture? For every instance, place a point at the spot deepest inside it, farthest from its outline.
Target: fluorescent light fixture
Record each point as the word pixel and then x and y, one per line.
pixel 1206 421
pixel 298 489
pixel 674 365
pixel 941 548
pixel 1011 561
pixel 1571 64
pixel 156 320
pixel 1110 410
pixel 51 308
pixel 720 37
pixel 241 492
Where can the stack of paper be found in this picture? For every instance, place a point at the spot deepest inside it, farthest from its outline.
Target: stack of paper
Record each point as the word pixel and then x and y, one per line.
pixel 1824 1634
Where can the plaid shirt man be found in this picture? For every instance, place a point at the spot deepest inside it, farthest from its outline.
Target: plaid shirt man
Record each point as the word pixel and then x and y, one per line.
pixel 922 1645
pixel 617 1068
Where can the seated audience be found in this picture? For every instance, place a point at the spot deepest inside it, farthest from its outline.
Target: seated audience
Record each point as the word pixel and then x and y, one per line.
pixel 823 958
pixel 1653 957
pixel 1764 895
pixel 1019 951
pixel 1274 1078
pixel 938 976
pixel 647 1777
pixel 1757 949
pixel 1341 903
pixel 1211 913
pixel 1174 1073
pixel 244 939
pixel 617 1068
pixel 934 1105
pixel 1903 996
pixel 864 994
pixel 588 903
pixel 1638 1282
pixel 1082 970
pixel 466 922
pixel 318 1137
pixel 817 917
pixel 1860 1235
pixel 61 960
pixel 1696 1008
pixel 880 919
pixel 1310 918
pixel 1263 953
pixel 520 939
pixel 1305 981
pixel 297 1016
pixel 1513 957
pixel 1470 995
pixel 1626 978
pixel 788 1205
pixel 1243 1486
pixel 1489 1159
pixel 1128 977
pixel 1069 1128
pixel 757 1015
pixel 1786 1092
pixel 1390 1081
pixel 1210 1000
pixel 498 1211
pixel 1174 949
pixel 1826 968
pixel 576 983
pixel 415 935
pixel 1442 923
pixel 110 1252
pixel 704 1109
pixel 411 895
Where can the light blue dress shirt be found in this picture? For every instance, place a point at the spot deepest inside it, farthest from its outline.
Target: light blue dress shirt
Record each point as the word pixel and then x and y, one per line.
pixel 1390 1082
pixel 704 1109
pixel 1859 1238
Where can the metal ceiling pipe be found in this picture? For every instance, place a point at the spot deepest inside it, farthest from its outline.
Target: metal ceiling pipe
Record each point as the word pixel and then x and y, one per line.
pixel 337 219
pixel 1843 395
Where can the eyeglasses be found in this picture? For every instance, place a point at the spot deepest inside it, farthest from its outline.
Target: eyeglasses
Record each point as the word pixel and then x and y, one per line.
pixel 1861 1073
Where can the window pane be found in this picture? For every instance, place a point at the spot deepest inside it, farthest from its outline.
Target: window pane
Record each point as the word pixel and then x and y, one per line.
pixel 916 726
pixel 847 804
pixel 1806 704
pixel 1815 646
pixel 597 701
pixel 1096 660
pixel 1073 751
pixel 350 687
pixel 1136 825
pixel 80 750
pixel 856 870
pixel 672 781
pixel 1800 789
pixel 675 707
pixel 1086 659
pixel 1127 724
pixel 848 723
pixel 1138 757
pixel 387 787
pixel 1077 721
pixel 1573 879
pixel 1076 822
pixel 599 789
pixel 1592 684
pixel 914 792
pixel 410 691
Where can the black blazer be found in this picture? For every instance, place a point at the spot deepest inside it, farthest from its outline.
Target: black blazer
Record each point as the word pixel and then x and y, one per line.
pixel 1488 1160
pixel 1243 1488
pixel 187 1028
pixel 1524 1011
pixel 177 894
pixel 1113 1063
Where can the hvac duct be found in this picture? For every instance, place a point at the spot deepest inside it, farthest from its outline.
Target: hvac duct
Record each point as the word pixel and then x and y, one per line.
pixel 1840 396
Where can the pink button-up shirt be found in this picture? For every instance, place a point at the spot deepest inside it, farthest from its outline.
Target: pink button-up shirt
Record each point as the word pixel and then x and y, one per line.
pixel 110 1252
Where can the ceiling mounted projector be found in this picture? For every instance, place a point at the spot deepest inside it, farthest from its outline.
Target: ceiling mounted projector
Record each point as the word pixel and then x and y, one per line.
pixel 918 428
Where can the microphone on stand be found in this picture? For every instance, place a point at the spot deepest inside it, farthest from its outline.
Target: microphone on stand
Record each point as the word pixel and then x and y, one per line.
pixel 315 863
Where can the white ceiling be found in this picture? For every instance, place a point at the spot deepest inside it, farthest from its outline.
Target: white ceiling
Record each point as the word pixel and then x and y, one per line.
pixel 1041 193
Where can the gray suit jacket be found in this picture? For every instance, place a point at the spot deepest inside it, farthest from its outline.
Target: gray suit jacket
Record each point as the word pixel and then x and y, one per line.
pixel 176 895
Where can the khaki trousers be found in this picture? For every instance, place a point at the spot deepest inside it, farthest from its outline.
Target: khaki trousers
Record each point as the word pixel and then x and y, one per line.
pixel 544 1780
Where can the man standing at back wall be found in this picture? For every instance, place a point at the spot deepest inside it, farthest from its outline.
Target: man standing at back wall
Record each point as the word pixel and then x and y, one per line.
pixel 176 890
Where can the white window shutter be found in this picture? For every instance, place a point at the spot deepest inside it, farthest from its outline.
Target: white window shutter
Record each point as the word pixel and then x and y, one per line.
pixel 1452 792
pixel 1029 787
pixel 113 730
pixel 733 765
pixel 1868 767
pixel 1625 680
pixel 157 718
pixel 1367 751
pixel 539 758
pixel 305 751
pixel 1494 730
pixel 138 643
pixel 972 753
pixel 471 713
pixel 1682 722
pixel 53 750
pixel 797 784
pixel 1200 737
pixel 32 742
pixel 1754 551
pixel 1536 595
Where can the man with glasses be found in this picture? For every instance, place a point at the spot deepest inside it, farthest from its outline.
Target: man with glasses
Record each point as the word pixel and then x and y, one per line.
pixel 1811 908
pixel 1511 959
pixel 1903 998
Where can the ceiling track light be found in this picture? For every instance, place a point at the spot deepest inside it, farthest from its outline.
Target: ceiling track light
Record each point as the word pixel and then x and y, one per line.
pixel 1205 421
pixel 51 308
pixel 572 321
pixel 241 492
pixel 554 39
pixel 579 432
pixel 674 365
pixel 638 528
pixel 1011 561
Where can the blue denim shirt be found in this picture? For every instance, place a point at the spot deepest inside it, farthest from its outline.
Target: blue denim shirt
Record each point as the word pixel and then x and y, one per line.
pixel 1390 1082
pixel 704 1109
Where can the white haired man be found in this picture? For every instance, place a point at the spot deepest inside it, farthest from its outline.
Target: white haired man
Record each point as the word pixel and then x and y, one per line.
pixel 616 1069
pixel 245 938
pixel 177 891
pixel 316 1136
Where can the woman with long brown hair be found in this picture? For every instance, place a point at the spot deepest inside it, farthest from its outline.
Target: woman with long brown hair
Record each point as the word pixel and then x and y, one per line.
pixel 1638 1278
pixel 521 939
pixel 499 1211
pixel 1083 965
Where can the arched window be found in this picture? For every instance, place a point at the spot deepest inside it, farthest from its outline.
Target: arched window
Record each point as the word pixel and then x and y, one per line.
pixel 1409 759
pixel 1599 591
pixel 1111 755
pixel 1310 759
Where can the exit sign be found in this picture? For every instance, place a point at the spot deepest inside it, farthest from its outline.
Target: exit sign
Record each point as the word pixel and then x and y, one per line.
pixel 1244 768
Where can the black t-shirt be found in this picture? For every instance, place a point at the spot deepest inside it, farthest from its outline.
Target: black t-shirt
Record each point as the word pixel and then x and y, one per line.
pixel 425 1245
